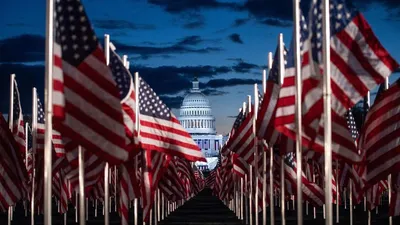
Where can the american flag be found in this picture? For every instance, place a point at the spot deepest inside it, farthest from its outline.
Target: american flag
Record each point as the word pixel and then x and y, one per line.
pixel 160 130
pixel 14 178
pixel 57 143
pixel 311 191
pixel 238 121
pixel 358 64
pixel 86 102
pixel 379 137
pixel 155 164
pixel 127 95
pixel 18 121
pixel 266 116
pixel 313 125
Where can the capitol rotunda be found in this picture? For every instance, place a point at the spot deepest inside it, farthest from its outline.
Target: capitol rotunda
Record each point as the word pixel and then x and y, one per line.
pixel 196 117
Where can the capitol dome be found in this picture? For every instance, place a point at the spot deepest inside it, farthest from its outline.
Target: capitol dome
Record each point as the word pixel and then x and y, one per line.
pixel 195 112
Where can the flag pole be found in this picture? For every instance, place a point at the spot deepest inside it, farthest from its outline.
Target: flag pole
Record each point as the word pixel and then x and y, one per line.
pixel 298 110
pixel 327 111
pixel 81 167
pixel 10 123
pixel 26 161
pixel 256 172
pixel 389 176
pixel 271 156
pixel 251 173
pixel 137 127
pixel 337 190
pixel 48 113
pixel 34 129
pixel 264 153
pixel 106 167
pixel 351 201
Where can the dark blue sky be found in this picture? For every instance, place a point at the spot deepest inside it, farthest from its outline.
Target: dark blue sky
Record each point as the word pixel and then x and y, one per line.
pixel 225 43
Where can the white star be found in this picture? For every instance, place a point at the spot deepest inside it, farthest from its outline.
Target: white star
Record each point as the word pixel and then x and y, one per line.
pixel 83 19
pixel 76 55
pixel 70 8
pixel 71 18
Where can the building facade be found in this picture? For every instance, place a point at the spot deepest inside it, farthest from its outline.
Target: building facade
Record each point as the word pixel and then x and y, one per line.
pixel 196 117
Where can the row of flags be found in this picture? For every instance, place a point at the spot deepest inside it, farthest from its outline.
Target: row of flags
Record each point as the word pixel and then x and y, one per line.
pixel 113 118
pixel 369 158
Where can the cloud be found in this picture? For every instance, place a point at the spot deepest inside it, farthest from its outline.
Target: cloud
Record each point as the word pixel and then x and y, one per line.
pixel 174 6
pixel 182 46
pixel 121 24
pixel 190 40
pixel 218 83
pixel 172 102
pixel 240 22
pixel 236 38
pixel 276 22
pixel 194 25
pixel 243 67
pixel 213 92
pixel 23 48
pixel 172 80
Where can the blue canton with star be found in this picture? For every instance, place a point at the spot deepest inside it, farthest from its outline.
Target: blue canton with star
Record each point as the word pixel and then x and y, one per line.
pixel 73 31
pixel 351 123
pixel 341 15
pixel 150 104
pixel 16 106
pixel 121 74
pixel 40 112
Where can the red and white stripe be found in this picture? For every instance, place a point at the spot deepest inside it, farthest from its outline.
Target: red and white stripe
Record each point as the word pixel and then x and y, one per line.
pixel 13 185
pixel 168 137
pixel 87 107
pixel 242 142
pixel 380 136
pixel 18 124
pixel 155 164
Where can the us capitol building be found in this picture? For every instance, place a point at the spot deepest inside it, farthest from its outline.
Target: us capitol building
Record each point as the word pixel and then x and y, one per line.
pixel 196 117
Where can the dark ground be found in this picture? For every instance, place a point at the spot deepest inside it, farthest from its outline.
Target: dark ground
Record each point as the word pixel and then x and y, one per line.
pixel 205 209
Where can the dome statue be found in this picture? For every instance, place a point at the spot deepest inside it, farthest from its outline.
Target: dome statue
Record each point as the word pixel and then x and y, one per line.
pixel 195 112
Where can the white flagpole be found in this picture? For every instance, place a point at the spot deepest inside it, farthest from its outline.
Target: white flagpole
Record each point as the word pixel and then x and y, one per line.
pixel 351 201
pixel 82 207
pixel 271 157
pixel 264 174
pixel 26 161
pixel 241 199
pixel 48 113
pixel 137 125
pixel 11 113
pixel 10 123
pixel 298 110
pixel 251 173
pixel 337 190
pixel 34 135
pixel 390 176
pixel 256 172
pixel 327 111
pixel 106 205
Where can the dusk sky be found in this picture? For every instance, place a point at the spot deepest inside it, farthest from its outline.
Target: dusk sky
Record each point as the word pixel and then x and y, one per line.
pixel 223 42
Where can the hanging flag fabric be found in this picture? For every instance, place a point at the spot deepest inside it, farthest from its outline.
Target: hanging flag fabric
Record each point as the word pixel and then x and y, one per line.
pixel 160 130
pixel 18 129
pixel 13 176
pixel 266 116
pixel 126 87
pixel 86 102
pixel 379 138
